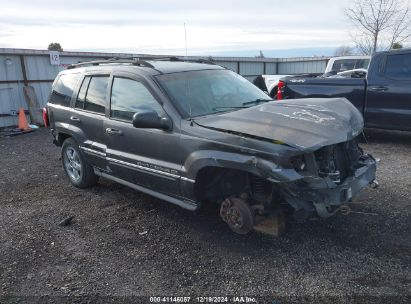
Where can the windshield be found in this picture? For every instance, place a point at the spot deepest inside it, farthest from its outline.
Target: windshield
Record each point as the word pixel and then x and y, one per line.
pixel 198 93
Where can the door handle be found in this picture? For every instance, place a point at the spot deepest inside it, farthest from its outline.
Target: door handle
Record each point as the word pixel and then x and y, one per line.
pixel 74 118
pixel 112 131
pixel 379 89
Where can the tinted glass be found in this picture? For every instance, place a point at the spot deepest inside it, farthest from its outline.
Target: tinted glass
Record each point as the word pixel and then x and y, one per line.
pixel 210 91
pixel 96 94
pixel 130 96
pixel 398 66
pixel 81 98
pixel 362 63
pixel 344 65
pixel 350 64
pixel 63 89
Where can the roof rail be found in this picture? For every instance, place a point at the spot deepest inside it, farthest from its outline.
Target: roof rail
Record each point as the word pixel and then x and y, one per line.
pixel 175 58
pixel 129 60
pixel 208 61
pixel 141 61
pixel 161 58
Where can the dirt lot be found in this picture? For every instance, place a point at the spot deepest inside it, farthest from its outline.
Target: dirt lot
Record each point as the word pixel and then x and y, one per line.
pixel 125 243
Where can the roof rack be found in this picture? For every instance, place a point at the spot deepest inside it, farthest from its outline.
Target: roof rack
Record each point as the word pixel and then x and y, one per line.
pixel 140 61
pixel 175 58
pixel 129 60
pixel 162 58
pixel 208 61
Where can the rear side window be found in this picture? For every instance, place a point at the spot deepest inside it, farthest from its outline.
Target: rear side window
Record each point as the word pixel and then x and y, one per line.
pixel 81 98
pixel 128 97
pixel 343 65
pixel 350 64
pixel 92 94
pixel 63 89
pixel 398 66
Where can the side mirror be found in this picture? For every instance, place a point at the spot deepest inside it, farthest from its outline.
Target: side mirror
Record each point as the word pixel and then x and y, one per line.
pixel 149 119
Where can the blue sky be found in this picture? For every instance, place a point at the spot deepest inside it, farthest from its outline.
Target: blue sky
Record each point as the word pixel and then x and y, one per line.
pixel 298 28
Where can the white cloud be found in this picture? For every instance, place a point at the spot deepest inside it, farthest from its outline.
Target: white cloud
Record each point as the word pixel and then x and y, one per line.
pixel 157 26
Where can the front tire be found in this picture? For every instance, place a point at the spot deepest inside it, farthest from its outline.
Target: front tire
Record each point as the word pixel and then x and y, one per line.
pixel 79 172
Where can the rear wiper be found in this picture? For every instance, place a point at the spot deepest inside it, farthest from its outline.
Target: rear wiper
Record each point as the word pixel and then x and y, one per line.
pixel 256 101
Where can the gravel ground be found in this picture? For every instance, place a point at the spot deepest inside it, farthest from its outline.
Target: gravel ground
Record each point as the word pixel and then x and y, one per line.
pixel 125 243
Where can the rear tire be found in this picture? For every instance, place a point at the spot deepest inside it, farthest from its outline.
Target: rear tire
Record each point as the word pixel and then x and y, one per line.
pixel 80 173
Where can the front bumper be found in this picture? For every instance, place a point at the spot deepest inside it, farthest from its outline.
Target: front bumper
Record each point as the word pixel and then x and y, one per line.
pixel 323 195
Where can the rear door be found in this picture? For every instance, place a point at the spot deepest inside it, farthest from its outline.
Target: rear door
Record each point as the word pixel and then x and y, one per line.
pixel 389 93
pixel 147 157
pixel 88 117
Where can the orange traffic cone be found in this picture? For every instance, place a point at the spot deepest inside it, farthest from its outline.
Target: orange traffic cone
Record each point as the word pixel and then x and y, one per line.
pixel 23 124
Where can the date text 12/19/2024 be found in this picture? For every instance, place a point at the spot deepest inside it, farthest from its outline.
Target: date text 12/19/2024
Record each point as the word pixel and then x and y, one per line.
pixel 203 299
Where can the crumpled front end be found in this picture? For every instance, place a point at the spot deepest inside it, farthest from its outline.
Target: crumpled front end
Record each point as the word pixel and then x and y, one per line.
pixel 332 175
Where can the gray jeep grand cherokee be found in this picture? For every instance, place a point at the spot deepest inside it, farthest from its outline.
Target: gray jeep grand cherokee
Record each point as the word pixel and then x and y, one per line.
pixel 194 132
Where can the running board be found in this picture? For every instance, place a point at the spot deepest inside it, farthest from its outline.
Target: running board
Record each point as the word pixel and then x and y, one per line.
pixel 192 206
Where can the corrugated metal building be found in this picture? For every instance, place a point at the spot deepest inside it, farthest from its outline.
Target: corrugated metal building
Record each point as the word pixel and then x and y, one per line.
pixel 22 67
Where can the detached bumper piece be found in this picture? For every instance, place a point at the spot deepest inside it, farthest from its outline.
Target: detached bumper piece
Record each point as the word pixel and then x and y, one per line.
pixel 324 195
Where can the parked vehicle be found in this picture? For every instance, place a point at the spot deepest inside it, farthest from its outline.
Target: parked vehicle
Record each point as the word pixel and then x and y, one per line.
pixel 383 97
pixel 345 66
pixel 269 83
pixel 190 133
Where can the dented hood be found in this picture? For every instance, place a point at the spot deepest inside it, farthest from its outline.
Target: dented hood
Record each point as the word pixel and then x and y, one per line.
pixel 306 124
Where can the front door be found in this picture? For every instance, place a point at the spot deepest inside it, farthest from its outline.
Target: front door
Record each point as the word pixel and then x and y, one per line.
pixel 147 157
pixel 389 93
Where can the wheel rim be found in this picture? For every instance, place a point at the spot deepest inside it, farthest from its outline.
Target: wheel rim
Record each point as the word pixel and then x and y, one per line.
pixel 73 164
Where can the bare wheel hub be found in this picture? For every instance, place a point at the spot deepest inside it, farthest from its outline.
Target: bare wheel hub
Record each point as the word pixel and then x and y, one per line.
pixel 237 214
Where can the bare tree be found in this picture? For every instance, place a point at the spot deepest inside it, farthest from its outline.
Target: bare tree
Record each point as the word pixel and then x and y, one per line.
pixel 344 50
pixel 379 23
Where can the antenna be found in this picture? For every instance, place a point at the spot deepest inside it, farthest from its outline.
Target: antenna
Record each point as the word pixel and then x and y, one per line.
pixel 185 37
pixel 187 80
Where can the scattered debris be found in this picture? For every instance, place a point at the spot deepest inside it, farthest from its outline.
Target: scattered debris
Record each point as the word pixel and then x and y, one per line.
pixel 67 221
pixel 346 210
pixel 9 132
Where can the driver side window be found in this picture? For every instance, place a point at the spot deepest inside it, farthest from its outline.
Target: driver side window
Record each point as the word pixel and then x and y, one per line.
pixel 130 96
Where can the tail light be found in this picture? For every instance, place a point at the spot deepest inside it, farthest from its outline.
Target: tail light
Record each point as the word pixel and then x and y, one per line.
pixel 280 90
pixel 46 117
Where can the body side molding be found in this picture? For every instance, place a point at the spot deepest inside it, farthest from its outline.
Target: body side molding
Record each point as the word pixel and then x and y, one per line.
pixel 189 205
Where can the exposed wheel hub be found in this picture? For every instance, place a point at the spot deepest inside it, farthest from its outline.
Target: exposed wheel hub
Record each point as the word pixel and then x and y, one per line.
pixel 237 214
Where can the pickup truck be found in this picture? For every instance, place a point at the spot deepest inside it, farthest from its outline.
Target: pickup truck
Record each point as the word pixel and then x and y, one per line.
pixel 383 97
pixel 337 67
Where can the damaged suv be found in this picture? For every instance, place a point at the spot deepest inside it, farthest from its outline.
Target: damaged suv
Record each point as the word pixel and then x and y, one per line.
pixel 194 132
